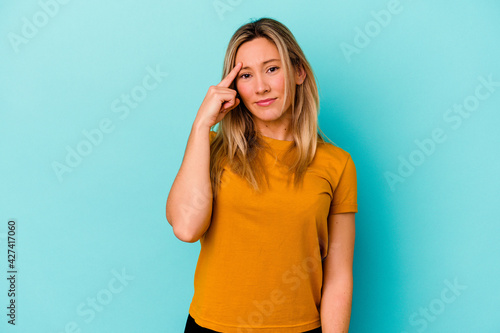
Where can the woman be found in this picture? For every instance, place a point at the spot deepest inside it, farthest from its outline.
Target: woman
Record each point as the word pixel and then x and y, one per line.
pixel 276 255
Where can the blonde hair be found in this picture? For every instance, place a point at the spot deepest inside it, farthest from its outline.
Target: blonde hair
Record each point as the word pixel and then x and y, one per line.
pixel 237 143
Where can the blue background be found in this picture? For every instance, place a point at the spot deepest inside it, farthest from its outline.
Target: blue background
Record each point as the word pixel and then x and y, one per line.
pixel 437 226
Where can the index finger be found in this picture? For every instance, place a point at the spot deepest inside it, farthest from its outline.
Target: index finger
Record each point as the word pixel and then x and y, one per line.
pixel 230 77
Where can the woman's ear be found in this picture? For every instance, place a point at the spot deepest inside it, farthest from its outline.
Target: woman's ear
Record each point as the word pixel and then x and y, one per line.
pixel 300 75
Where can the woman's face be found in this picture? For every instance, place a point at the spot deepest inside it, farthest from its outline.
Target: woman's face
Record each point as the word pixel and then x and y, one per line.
pixel 260 78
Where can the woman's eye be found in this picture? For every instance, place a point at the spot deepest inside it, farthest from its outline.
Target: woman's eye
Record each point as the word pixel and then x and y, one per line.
pixel 245 76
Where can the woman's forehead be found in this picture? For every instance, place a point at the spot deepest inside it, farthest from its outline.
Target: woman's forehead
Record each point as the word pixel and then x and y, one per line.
pixel 257 52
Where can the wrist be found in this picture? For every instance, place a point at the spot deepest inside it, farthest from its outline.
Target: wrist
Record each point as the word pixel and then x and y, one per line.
pixel 199 125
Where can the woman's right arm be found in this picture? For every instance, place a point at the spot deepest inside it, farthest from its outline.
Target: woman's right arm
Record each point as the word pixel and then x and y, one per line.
pixel 189 202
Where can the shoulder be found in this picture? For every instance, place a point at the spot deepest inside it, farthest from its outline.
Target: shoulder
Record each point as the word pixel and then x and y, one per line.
pixel 329 154
pixel 336 165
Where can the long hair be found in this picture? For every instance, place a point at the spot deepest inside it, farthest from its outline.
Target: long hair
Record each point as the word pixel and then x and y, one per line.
pixel 237 144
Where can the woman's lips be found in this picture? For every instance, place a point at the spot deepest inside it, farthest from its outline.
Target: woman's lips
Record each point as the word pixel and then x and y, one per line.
pixel 266 102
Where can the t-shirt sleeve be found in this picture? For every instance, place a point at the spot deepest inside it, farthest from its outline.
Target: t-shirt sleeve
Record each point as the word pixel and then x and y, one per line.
pixel 345 194
pixel 212 135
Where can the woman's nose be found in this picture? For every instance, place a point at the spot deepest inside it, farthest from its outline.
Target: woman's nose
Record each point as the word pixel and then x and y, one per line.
pixel 261 84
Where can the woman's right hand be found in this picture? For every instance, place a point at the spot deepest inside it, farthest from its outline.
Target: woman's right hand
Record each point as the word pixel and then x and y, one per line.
pixel 219 100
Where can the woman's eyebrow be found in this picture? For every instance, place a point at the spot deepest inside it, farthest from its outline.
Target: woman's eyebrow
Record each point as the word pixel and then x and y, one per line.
pixel 265 62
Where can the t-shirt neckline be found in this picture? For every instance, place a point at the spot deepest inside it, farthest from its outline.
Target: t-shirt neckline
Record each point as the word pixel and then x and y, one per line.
pixel 277 144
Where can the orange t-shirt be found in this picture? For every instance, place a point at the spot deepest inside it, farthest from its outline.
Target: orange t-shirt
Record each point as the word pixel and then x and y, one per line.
pixel 260 264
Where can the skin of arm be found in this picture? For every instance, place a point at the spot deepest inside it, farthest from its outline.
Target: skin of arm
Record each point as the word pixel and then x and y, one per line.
pixel 189 202
pixel 336 294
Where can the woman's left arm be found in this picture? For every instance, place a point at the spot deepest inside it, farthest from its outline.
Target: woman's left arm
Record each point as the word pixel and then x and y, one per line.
pixel 336 298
